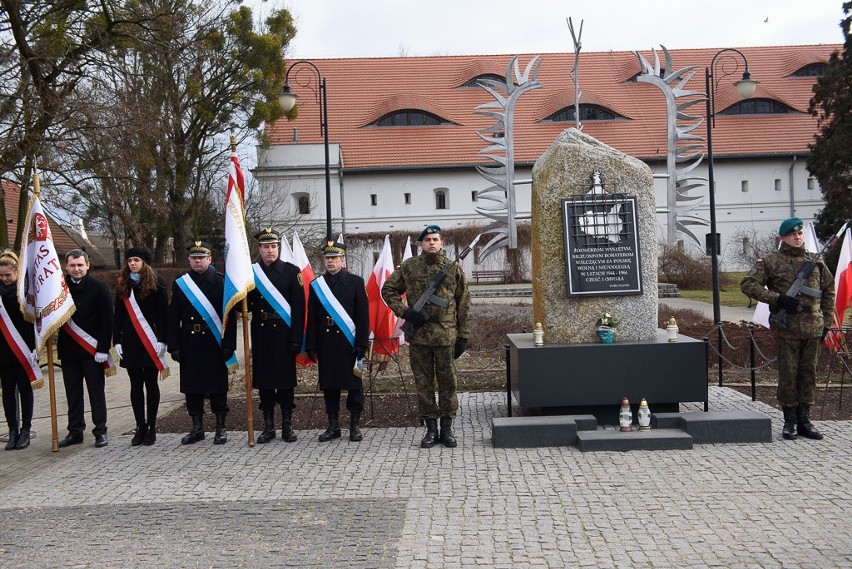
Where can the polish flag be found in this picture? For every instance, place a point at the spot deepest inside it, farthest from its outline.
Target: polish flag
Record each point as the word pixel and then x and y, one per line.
pixel 397 333
pixel 843 289
pixel 286 251
pixel 300 259
pixel 382 318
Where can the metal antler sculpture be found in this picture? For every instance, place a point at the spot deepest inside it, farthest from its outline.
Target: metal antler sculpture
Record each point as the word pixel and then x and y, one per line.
pixel 501 150
pixel 681 143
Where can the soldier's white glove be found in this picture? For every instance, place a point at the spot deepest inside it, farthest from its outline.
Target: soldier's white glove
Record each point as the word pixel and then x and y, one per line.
pixel 118 350
pixel 161 349
pixel 101 357
pixel 34 358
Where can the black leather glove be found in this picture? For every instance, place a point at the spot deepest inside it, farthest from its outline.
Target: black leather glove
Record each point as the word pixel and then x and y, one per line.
pixel 227 353
pixel 461 346
pixel 416 318
pixel 295 348
pixel 824 334
pixel 175 355
pixel 789 303
pixel 359 352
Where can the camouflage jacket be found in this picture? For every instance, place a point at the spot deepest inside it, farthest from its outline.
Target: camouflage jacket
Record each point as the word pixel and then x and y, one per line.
pixel 773 275
pixel 412 278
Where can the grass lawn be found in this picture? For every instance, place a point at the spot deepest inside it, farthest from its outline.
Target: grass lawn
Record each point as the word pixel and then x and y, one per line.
pixel 729 295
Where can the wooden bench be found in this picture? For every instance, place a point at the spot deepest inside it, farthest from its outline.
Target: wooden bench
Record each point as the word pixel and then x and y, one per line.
pixel 500 276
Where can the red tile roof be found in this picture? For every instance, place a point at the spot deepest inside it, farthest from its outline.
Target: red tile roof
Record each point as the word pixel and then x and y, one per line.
pixel 361 90
pixel 61 240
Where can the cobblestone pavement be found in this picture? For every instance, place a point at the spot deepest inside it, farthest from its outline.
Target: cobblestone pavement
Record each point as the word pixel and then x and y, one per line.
pixel 384 502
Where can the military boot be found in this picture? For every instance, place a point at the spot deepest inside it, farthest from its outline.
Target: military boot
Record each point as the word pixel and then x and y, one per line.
pixel 355 433
pixel 287 432
pixel 23 439
pixel 804 426
pixel 139 435
pixel 447 437
pixel 221 436
pixel 268 433
pixel 789 431
pixel 13 439
pixel 197 432
pixel 333 430
pixel 431 436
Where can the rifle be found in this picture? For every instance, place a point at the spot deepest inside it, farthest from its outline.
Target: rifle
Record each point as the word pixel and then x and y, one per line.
pixel 780 317
pixel 429 294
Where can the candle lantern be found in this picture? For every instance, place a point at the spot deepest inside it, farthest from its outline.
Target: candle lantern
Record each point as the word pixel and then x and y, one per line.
pixel 644 416
pixel 672 329
pixel 538 334
pixel 625 416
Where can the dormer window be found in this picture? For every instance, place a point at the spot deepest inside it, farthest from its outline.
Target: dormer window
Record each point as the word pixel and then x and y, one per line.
pixel 810 70
pixel 757 107
pixel 473 83
pixel 587 113
pixel 409 117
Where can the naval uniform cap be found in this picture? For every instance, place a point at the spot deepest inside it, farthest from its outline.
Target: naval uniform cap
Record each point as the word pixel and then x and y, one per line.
pixel 199 249
pixel 267 235
pixel 333 249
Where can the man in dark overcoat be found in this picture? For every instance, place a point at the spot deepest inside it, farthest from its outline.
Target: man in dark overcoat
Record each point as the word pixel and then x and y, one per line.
pixel 277 306
pixel 337 337
pixel 92 319
pixel 196 343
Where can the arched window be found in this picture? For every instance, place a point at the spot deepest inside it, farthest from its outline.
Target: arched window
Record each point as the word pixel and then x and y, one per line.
pixel 473 82
pixel 303 203
pixel 409 117
pixel 810 70
pixel 757 107
pixel 587 113
pixel 441 201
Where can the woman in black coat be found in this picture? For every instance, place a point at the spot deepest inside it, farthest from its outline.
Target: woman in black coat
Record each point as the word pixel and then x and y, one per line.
pixel 141 341
pixel 13 375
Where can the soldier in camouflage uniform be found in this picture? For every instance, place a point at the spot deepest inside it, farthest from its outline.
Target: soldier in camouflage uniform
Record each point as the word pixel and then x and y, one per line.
pixel 440 335
pixel 811 314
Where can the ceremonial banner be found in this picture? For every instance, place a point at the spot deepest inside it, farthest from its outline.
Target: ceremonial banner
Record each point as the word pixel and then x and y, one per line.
pixel 42 291
pixel 19 347
pixel 397 333
pixel 286 252
pixel 300 259
pixel 239 278
pixel 382 318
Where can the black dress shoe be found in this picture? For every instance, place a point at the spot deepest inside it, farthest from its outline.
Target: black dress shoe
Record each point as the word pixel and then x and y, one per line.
pixel 101 440
pixel 71 439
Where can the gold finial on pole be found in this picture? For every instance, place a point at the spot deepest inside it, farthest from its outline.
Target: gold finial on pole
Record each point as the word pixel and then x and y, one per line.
pixel 233 144
pixel 36 181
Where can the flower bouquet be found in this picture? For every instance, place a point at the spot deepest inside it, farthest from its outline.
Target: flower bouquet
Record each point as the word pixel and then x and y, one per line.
pixel 605 327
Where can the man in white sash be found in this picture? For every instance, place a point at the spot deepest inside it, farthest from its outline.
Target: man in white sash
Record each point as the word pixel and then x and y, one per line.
pixel 83 346
pixel 277 306
pixel 337 337
pixel 195 340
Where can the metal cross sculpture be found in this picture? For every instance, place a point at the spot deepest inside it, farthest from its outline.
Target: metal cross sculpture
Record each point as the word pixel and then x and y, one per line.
pixel 501 151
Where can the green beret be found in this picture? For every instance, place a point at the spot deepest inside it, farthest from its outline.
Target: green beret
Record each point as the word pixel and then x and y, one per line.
pixel 428 230
pixel 789 225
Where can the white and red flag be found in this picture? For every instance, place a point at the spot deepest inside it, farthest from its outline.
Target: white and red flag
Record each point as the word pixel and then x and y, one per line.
pixel 42 290
pixel 239 277
pixel 406 254
pixel 842 288
pixel 382 318
pixel 300 259
pixel 286 254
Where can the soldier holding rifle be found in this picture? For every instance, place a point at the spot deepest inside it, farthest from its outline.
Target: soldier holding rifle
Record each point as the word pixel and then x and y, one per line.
pixel 437 329
pixel 799 289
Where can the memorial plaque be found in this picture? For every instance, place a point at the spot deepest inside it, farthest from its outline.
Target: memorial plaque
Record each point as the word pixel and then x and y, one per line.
pixel 601 243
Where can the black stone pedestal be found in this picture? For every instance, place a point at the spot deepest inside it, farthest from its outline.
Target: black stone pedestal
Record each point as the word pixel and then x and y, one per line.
pixel 577 379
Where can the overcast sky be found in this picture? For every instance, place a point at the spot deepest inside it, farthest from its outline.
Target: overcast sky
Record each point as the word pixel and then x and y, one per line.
pixel 375 28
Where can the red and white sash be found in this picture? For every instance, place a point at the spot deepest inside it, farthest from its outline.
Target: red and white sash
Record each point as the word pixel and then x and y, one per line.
pixel 89 344
pixel 146 334
pixel 17 345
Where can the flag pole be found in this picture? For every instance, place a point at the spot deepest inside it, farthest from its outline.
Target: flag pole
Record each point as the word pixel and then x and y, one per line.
pixel 246 345
pixel 54 428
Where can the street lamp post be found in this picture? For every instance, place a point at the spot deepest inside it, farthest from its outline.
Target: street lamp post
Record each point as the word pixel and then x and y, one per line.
pixel 746 87
pixel 287 99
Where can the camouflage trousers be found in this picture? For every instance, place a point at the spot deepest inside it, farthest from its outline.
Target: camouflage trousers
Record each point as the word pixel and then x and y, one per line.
pixel 797 361
pixel 430 364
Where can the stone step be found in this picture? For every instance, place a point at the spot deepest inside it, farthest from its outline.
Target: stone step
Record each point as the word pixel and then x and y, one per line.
pixel 539 431
pixel 615 440
pixel 718 426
